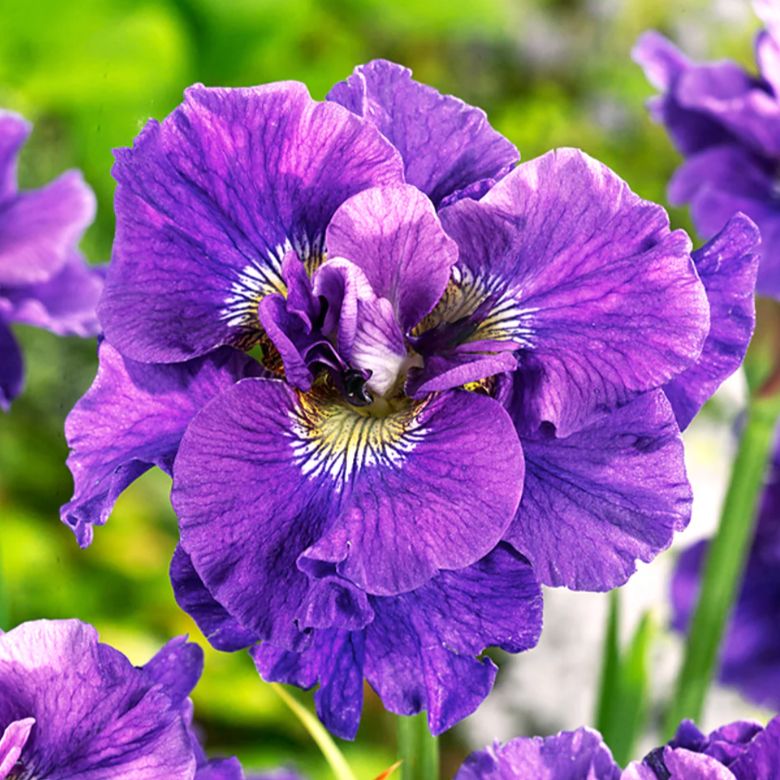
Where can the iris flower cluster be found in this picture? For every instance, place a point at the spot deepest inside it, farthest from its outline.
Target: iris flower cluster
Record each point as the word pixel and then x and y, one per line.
pixel 726 123
pixel 71 706
pixel 44 280
pixel 744 750
pixel 398 379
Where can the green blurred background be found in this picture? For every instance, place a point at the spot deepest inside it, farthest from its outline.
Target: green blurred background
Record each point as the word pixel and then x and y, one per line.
pixel 88 74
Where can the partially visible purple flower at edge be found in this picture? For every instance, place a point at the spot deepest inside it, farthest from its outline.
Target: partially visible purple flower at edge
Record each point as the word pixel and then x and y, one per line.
pixel 71 706
pixel 750 657
pixel 726 123
pixel 44 281
pixel 740 751
pixel 468 369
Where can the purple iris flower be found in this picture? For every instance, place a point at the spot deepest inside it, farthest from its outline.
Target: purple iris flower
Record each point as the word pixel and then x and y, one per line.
pixel 726 123
pixel 71 706
pixel 44 281
pixel 465 368
pixel 750 658
pixel 739 751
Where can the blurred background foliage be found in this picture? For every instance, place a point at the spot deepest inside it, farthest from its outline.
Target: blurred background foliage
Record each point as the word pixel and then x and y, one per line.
pixel 88 74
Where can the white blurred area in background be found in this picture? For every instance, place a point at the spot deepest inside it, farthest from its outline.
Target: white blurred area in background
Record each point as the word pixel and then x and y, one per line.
pixel 554 686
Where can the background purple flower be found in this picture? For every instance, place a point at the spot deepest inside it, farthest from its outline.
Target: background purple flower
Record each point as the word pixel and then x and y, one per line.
pixel 70 706
pixel 750 658
pixel 738 751
pixel 726 123
pixel 44 281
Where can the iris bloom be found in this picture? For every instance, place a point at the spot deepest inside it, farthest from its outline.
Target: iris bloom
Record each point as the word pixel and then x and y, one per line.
pixel 726 123
pixel 44 281
pixel 740 751
pixel 73 707
pixel 465 368
pixel 750 658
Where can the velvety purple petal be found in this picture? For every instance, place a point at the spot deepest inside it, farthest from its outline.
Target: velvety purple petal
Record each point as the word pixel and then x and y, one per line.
pixel 395 237
pixel 460 367
pixel 664 65
pixel 209 202
pixel 266 479
pixel 446 144
pixel 420 648
pixel 177 667
pixel 96 716
pixel 684 765
pixel 64 304
pixel 598 500
pixel 419 651
pixel 762 757
pixel 727 266
pixel 11 367
pixel 14 131
pixel 12 742
pixel 586 279
pixel 40 228
pixel 335 659
pixel 569 755
pixel 223 631
pixel 133 417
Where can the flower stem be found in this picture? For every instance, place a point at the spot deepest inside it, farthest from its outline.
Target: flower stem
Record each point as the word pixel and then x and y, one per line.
pixel 418 750
pixel 725 562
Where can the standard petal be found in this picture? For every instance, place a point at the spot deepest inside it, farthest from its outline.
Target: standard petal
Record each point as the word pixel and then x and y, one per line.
pixel 727 266
pixel 446 144
pixel 223 631
pixel 96 716
pixel 268 482
pixel 40 228
pixel 65 304
pixel 14 131
pixel 584 279
pixel 209 202
pixel 598 500
pixel 133 418
pixel 568 755
pixel 11 367
pixel 682 764
pixel 395 237
pixel 419 651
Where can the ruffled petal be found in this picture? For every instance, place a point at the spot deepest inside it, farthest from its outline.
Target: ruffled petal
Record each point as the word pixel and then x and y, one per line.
pixel 568 755
pixel 682 764
pixel 14 131
pixel 584 280
pixel 133 418
pixel 727 266
pixel 11 367
pixel 596 501
pixel 762 757
pixel 395 237
pixel 40 228
pixel 64 304
pixel 446 144
pixel 209 202
pixel 97 717
pixel 268 482
pixel 223 631
pixel 419 651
